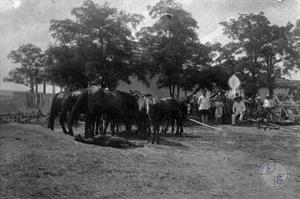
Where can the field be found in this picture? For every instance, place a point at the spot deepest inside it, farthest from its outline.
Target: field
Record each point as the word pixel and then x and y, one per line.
pixel 38 163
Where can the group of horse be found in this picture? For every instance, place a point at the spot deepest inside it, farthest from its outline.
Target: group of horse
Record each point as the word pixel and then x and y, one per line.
pixel 101 107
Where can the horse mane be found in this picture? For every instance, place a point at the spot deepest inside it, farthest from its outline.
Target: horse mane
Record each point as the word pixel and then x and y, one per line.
pixel 144 103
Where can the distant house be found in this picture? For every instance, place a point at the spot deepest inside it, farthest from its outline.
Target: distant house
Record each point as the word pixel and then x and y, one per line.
pixel 152 88
pixel 283 86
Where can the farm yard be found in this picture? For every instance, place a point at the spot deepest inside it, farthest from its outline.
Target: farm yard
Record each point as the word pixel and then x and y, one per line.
pixel 38 163
pixel 148 67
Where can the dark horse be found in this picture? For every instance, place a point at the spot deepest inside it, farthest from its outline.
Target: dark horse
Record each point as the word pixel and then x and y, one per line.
pixel 164 110
pixel 96 102
pixel 109 141
pixel 158 111
pixel 62 103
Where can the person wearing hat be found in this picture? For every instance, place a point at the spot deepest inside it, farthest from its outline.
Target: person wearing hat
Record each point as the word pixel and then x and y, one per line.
pixel 238 109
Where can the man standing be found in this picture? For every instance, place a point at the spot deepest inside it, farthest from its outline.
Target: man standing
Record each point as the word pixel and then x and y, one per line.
pixel 238 109
pixel 204 105
pixel 268 105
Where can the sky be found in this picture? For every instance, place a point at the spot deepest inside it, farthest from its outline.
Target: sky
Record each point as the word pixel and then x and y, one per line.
pixel 27 21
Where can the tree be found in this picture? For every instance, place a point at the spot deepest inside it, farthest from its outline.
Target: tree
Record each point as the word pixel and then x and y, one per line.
pixel 32 60
pixel 98 44
pixel 263 51
pixel 171 43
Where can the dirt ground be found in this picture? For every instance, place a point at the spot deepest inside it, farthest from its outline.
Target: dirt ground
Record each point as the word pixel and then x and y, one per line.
pixel 38 163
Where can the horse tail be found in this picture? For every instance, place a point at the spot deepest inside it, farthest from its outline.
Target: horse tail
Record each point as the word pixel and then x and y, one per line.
pixel 77 109
pixel 53 113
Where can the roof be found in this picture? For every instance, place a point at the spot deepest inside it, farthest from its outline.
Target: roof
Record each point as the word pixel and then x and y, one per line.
pixel 286 83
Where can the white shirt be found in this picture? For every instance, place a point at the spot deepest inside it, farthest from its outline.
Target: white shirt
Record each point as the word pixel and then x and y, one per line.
pixel 239 107
pixel 203 102
pixel 267 103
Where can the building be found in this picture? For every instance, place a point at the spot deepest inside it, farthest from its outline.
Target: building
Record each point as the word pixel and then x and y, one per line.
pixel 283 87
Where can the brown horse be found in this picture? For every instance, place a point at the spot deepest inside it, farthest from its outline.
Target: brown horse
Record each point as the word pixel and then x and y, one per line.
pixel 62 104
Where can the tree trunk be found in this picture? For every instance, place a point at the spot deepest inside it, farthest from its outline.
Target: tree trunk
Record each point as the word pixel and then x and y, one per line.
pixel 31 83
pixel 53 89
pixel 32 88
pixel 178 90
pixel 173 90
pixel 44 87
pixel 271 90
pixel 36 87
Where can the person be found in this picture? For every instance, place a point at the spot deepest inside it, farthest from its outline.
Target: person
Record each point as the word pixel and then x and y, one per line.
pixel 267 106
pixel 218 111
pixel 250 107
pixel 267 103
pixel 204 104
pixel 238 109
pixel 219 106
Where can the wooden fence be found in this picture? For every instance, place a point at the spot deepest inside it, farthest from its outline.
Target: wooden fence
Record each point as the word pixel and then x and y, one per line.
pixel 23 106
pixel 21 117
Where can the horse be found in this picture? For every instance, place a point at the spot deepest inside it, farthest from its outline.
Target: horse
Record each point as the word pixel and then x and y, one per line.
pixel 96 103
pixel 108 141
pixel 143 119
pixel 129 110
pixel 62 103
pixel 157 111
pixel 126 114
pixel 178 114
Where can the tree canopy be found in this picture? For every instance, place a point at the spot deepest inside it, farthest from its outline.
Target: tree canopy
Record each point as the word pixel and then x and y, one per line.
pixel 262 51
pixel 173 45
pixel 98 46
pixel 102 45
pixel 32 61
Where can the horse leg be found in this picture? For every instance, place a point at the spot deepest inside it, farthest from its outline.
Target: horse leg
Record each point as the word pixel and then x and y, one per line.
pixel 117 124
pixel 166 126
pixel 148 129
pixel 173 126
pixel 92 126
pixel 70 129
pixel 101 121
pixel 62 120
pixel 97 125
pixel 86 127
pixel 153 133
pixel 112 128
pixel 51 122
pixel 157 135
pixel 163 127
pixel 128 126
pixel 105 126
pixel 181 126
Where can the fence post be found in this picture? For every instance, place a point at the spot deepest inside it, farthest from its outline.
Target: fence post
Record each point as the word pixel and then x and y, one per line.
pixel 38 117
pixel 18 117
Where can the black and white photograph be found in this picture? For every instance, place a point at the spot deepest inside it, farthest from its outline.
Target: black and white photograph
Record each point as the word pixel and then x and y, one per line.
pixel 149 99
